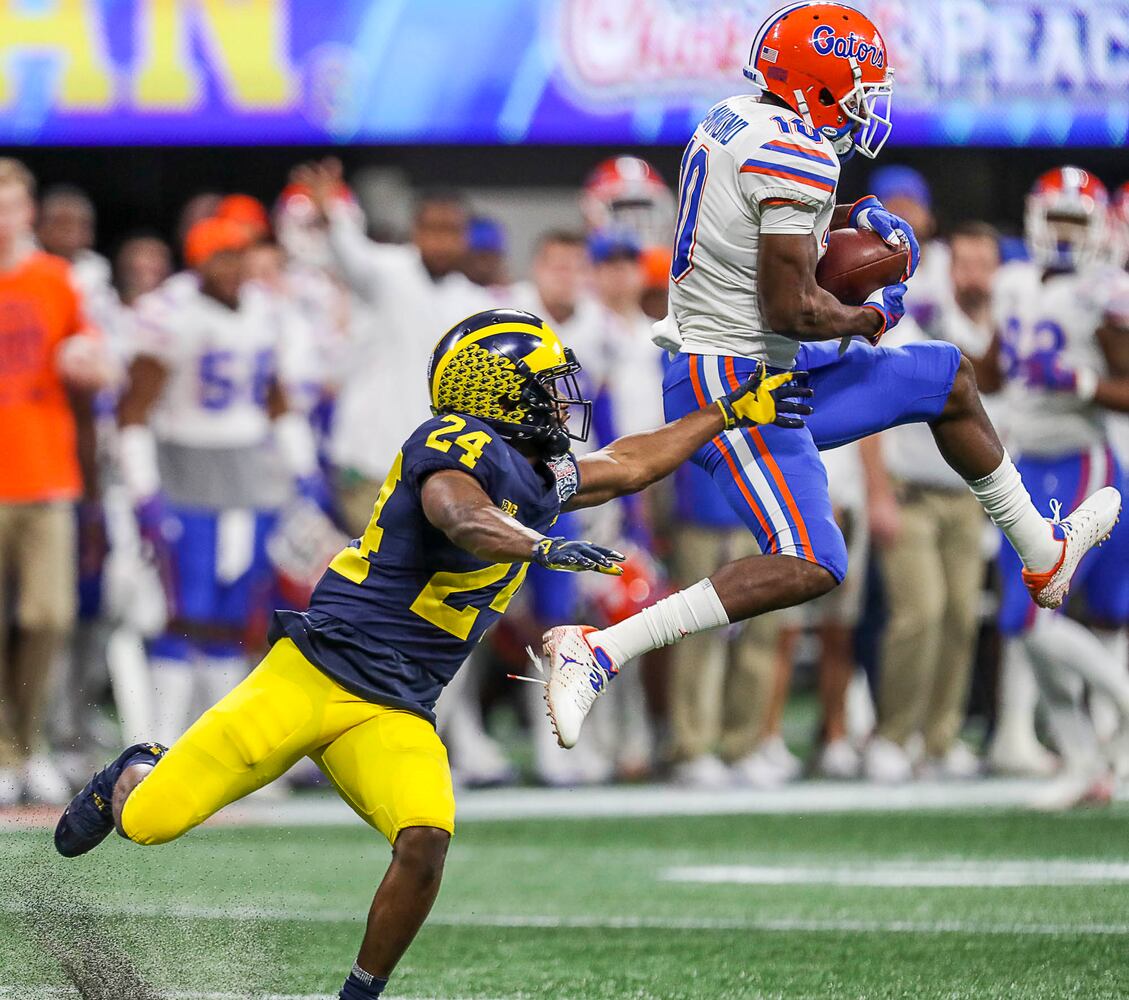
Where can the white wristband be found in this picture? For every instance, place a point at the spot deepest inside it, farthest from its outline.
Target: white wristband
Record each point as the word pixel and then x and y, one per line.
pixel 1086 384
pixel 137 459
pixel 296 445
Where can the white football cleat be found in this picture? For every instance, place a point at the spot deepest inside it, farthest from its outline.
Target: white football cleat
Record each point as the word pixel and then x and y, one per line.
pixel 1089 524
pixel 706 772
pixel 884 762
pixel 578 675
pixel 839 761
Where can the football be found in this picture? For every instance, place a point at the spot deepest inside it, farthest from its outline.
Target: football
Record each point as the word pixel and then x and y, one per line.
pixel 857 263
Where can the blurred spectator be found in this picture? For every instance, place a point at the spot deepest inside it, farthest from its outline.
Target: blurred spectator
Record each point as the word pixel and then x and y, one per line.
pixel 656 279
pixel 835 616
pixel 49 367
pixel 485 263
pixel 721 682
pixel 196 426
pixel 248 212
pixel 559 292
pixel 926 526
pixel 199 206
pixel 406 297
pixel 141 264
pixel 66 229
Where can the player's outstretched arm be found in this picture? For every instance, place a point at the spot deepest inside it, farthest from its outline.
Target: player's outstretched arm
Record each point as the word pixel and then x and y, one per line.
pixel 630 464
pixel 459 507
pixel 795 306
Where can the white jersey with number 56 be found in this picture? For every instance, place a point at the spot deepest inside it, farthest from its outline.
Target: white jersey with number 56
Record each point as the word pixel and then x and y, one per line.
pixel 750 168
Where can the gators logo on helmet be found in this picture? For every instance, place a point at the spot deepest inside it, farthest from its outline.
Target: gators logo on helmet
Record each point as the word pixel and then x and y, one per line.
pixel 509 368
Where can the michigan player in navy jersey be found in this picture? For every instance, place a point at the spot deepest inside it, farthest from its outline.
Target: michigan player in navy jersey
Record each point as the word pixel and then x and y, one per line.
pixel 352 682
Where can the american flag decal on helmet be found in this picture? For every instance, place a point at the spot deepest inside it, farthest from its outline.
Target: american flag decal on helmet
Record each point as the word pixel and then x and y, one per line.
pixel 769 54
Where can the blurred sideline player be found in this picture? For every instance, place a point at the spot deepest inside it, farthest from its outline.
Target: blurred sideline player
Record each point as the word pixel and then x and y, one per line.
pixel 1063 352
pixel 757 199
pixel 197 420
pixel 485 262
pixel 626 195
pixel 398 293
pixel 65 227
pixel 51 363
pixel 927 529
pixel 353 681
pixel 631 401
pixel 1119 251
pixel 559 289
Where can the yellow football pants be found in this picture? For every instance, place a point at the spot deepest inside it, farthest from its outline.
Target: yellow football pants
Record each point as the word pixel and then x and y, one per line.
pixel 389 765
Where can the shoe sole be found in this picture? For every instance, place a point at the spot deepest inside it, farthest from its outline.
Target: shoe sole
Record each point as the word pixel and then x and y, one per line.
pixel 553 721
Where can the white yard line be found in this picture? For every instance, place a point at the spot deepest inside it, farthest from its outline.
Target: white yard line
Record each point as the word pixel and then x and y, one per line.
pixel 901 874
pixel 612 923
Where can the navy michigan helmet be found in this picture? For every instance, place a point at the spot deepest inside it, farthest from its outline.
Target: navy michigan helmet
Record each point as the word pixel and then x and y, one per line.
pixel 509 369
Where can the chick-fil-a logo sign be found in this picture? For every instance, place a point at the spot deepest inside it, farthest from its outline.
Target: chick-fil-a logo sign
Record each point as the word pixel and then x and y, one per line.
pixel 640 47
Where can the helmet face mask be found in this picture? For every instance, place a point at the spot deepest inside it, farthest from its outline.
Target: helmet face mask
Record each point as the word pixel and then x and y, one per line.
pixel 868 106
pixel 553 428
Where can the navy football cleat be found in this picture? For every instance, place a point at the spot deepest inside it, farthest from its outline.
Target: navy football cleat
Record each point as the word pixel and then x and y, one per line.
pixel 89 818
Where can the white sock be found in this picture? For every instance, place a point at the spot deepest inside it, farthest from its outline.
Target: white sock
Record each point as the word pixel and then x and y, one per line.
pixel 1006 501
pixel 1074 647
pixel 692 610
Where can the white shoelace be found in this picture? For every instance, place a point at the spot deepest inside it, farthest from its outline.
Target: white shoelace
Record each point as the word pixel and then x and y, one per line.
pixel 538 665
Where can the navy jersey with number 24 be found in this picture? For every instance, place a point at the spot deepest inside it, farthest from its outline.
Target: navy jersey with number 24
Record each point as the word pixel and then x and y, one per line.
pixel 399 610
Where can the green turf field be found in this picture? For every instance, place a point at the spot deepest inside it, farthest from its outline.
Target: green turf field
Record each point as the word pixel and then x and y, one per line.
pixel 587 909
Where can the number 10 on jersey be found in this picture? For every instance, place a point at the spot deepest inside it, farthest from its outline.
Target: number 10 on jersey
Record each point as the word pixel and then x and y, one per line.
pixel 691 185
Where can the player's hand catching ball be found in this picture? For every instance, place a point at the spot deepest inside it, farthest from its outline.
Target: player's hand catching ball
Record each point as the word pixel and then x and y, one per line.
pixel 870 213
pixel 577 557
pixel 887 302
pixel 767 399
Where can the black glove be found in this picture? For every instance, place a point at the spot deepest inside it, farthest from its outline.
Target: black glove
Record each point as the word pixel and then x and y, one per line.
pixel 559 553
pixel 765 399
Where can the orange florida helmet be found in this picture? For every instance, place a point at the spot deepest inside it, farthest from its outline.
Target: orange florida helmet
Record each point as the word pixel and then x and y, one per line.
pixel 828 63
pixel 627 194
pixel 1067 219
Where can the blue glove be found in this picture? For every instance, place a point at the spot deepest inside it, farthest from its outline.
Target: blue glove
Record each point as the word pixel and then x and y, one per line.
pixel 887 302
pixel 558 553
pixel 870 213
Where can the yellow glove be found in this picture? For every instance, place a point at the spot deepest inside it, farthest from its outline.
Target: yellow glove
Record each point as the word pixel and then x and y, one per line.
pixel 766 399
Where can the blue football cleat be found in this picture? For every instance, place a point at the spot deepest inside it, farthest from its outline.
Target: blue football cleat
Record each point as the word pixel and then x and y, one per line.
pixel 89 818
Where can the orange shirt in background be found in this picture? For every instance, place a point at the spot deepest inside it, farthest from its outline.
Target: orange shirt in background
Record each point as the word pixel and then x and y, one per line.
pixel 39 308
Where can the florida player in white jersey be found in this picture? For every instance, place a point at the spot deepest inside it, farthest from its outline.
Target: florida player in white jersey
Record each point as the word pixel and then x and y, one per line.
pixel 1063 353
pixel 756 202
pixel 196 426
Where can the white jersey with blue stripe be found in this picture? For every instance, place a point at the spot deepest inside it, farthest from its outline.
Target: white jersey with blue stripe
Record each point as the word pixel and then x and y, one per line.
pixel 220 362
pixel 1052 321
pixel 750 168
